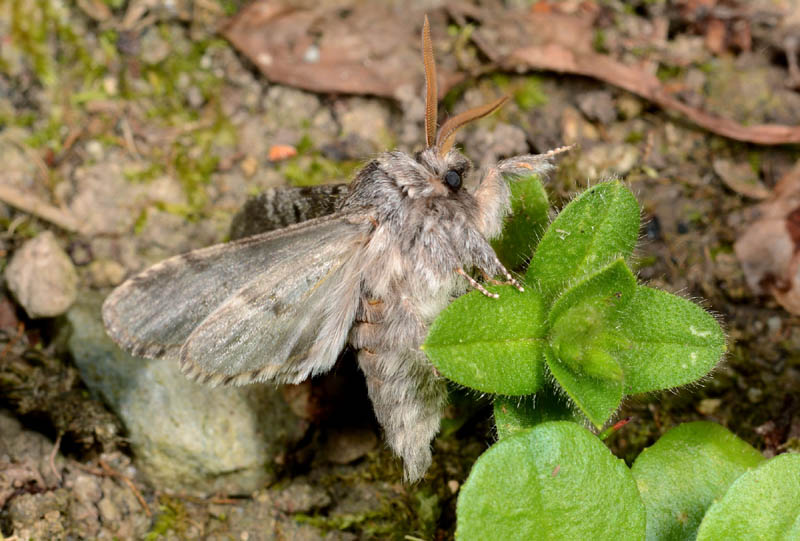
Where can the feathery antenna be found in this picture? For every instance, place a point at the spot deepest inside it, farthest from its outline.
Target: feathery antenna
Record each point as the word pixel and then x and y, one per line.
pixel 431 96
pixel 448 132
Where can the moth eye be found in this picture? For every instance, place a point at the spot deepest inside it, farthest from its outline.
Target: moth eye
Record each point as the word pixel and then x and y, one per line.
pixel 453 179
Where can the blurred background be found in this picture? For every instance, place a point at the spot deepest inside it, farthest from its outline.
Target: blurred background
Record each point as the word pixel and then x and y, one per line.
pixel 132 130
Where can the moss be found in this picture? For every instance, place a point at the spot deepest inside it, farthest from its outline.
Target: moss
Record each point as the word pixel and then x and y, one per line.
pixel 315 169
pixel 141 221
pixel 500 80
pixel 163 77
pixel 666 73
pixel 229 7
pixel 599 41
pixel 48 133
pixel 144 174
pixel 58 55
pixel 754 159
pixel 172 518
pixel 529 94
pixel 634 137
pixel 194 169
pixel 428 510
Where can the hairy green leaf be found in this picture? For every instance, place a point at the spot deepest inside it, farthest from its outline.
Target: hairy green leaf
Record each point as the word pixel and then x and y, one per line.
pixel 684 472
pixel 492 345
pixel 764 503
pixel 671 341
pixel 584 335
pixel 513 414
pixel 598 226
pixel 525 225
pixel 553 481
pixel 598 399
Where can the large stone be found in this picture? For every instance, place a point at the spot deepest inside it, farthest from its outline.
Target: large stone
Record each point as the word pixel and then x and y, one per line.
pixel 42 277
pixel 185 436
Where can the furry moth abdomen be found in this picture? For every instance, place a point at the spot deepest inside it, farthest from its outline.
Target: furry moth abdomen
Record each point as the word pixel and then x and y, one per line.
pixel 281 306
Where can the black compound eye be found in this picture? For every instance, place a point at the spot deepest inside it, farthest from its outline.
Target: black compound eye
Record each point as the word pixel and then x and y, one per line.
pixel 453 179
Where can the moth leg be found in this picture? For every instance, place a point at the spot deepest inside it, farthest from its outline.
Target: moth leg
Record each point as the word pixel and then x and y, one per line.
pixel 510 281
pixel 408 400
pixel 476 285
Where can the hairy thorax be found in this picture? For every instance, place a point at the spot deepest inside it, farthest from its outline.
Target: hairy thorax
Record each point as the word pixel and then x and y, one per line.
pixel 408 274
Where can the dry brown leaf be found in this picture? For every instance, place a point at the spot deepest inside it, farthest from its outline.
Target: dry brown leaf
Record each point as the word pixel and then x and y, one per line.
pixel 741 178
pixel 370 48
pixel 716 35
pixel 769 250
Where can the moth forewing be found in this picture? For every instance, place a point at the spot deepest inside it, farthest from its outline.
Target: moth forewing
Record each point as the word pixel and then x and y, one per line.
pixel 289 322
pixel 153 313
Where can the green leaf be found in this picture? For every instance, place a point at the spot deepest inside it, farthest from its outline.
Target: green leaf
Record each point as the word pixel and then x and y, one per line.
pixel 607 292
pixel 553 481
pixel 761 504
pixel 684 472
pixel 514 414
pixel 525 225
pixel 492 345
pixel 599 225
pixel 598 399
pixel 671 341
pixel 583 336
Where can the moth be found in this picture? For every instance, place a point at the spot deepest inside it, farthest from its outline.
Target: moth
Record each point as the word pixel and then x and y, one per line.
pixel 280 306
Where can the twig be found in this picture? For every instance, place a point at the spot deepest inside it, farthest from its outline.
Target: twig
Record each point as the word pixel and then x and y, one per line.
pixel 558 58
pixel 127 480
pixel 127 134
pixel 35 206
pixel 221 500
pixel 52 459
pixel 108 471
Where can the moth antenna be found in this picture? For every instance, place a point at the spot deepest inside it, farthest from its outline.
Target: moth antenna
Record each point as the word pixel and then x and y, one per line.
pixel 431 95
pixel 448 132
pixel 555 151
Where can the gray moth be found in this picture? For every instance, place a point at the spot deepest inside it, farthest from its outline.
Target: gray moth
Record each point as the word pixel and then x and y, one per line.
pixel 395 249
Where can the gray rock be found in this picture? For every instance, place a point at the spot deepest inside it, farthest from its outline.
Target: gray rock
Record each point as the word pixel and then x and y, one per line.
pixel 607 159
pixel 367 119
pixel 597 105
pixel 300 497
pixel 154 48
pixel 486 147
pixel 39 516
pixel 42 277
pixel 105 273
pixel 185 436
pixel 349 444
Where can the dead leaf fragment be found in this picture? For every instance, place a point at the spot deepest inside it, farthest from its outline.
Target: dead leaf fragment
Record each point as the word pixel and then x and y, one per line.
pixel 96 9
pixel 369 48
pixel 769 250
pixel 741 178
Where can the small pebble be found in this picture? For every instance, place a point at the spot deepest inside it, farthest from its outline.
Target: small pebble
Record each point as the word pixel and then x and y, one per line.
pixel 708 406
pixel 755 395
pixel 42 278
pixel 774 324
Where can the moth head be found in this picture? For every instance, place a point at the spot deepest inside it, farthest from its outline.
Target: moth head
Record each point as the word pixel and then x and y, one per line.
pixel 441 142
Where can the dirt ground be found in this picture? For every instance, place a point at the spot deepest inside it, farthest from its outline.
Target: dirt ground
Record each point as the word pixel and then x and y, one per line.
pixel 133 130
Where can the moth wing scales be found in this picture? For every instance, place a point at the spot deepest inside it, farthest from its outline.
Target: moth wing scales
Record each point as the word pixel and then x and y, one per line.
pixel 153 313
pixel 282 327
